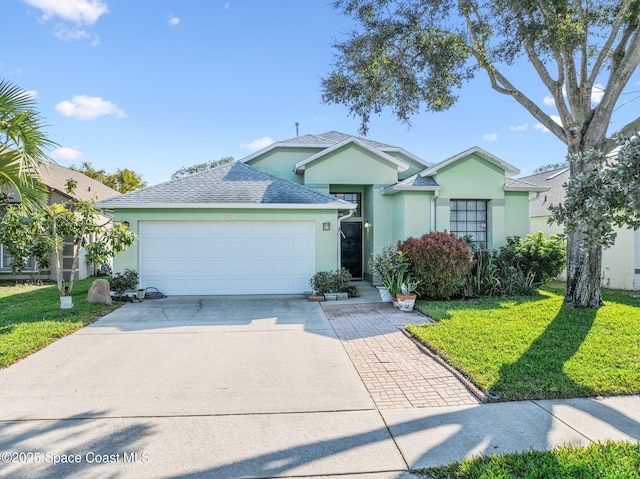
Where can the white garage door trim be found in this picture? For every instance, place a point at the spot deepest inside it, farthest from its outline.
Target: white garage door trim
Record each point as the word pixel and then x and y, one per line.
pixel 227 257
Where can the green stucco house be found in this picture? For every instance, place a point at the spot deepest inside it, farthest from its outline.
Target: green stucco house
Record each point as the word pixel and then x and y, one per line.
pixel 266 224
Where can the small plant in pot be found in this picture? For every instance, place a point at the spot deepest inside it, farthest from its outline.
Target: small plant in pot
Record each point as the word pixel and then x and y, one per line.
pixel 407 296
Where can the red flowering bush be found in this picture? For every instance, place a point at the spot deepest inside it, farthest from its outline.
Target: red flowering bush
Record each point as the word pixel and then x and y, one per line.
pixel 440 261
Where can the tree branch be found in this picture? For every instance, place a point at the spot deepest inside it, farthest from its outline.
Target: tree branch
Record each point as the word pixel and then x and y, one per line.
pixel 605 51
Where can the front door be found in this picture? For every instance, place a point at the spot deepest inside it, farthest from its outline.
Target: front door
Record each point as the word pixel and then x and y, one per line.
pixel 351 248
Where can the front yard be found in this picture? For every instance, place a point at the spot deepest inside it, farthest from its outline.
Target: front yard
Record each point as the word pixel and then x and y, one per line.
pixel 31 318
pixel 539 347
pixel 603 461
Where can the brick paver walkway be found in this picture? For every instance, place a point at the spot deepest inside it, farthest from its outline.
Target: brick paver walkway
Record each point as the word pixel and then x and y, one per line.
pixel 394 370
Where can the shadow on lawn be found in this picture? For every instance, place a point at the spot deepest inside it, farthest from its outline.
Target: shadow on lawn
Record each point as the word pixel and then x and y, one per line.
pixel 539 372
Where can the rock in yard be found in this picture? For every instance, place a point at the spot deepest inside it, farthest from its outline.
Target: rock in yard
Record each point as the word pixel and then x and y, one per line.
pixel 99 292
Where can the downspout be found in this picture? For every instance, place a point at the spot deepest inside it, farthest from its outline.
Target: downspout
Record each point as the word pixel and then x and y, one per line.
pixel 340 233
pixel 436 193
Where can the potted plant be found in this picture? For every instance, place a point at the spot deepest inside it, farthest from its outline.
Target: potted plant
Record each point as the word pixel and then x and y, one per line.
pixel 383 267
pixel 390 266
pixel 331 285
pixel 407 295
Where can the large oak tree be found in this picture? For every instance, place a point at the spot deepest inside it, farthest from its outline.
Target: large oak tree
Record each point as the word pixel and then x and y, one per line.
pixel 414 54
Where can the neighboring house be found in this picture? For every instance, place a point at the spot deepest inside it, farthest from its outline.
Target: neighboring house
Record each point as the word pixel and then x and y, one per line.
pixel 267 223
pixel 55 178
pixel 620 263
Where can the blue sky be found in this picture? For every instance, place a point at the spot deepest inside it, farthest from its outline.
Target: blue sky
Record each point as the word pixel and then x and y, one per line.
pixel 157 85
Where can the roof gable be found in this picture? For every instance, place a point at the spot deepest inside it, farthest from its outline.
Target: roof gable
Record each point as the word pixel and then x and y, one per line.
pixel 331 140
pixel 235 185
pixel 553 181
pixel 509 170
pixel 399 165
pixel 55 178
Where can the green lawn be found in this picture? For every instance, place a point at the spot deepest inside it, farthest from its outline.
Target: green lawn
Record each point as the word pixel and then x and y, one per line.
pixel 603 461
pixel 539 347
pixel 31 318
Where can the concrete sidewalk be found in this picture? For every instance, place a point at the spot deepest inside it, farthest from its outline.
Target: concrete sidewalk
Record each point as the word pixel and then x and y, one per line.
pixel 229 387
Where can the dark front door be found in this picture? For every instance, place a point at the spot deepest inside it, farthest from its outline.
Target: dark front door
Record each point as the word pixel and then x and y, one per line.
pixel 351 248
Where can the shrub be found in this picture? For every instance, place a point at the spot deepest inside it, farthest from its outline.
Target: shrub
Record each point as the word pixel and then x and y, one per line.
pixel 543 258
pixel 440 262
pixel 519 267
pixel 330 281
pixel 121 282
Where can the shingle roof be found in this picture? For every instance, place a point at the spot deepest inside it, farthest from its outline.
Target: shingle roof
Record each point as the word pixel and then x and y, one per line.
pixel 235 184
pixel 514 184
pixel 554 180
pixel 331 138
pixel 55 177
pixel 416 182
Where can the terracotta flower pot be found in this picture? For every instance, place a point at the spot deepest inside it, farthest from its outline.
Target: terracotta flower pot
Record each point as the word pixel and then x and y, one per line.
pixel 406 302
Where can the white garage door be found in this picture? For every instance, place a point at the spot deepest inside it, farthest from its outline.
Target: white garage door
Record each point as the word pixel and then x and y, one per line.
pixel 227 257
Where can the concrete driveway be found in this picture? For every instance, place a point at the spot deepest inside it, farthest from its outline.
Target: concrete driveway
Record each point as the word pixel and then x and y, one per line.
pixel 220 387
pixel 231 387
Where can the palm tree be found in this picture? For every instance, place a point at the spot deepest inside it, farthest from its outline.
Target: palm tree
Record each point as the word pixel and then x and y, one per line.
pixel 22 148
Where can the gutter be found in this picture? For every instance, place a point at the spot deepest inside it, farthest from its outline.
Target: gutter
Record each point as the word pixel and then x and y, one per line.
pixel 436 194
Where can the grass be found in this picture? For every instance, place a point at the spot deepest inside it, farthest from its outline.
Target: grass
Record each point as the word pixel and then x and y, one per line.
pixel 539 347
pixel 31 318
pixel 608 460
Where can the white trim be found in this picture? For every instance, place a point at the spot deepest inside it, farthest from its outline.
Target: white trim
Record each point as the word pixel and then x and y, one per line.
pixel 557 173
pixel 273 146
pixel 248 206
pixel 410 155
pixel 390 190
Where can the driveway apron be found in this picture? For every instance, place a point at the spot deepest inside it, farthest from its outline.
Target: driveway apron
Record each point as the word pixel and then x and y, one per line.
pixel 224 387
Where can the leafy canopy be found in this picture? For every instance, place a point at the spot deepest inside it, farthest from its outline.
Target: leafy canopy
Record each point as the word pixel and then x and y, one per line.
pixel 418 53
pixel 605 196
pixel 123 181
pixel 43 235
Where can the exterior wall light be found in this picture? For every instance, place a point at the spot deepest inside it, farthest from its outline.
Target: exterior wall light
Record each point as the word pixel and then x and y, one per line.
pixel 326 226
pixel 367 225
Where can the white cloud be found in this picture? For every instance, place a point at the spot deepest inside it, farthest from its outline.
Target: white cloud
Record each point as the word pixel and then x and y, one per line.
pixel 597 93
pixel 227 5
pixel 557 119
pixel 173 21
pixel 64 153
pixel 68 35
pixel 85 107
pixel 490 137
pixel 32 94
pixel 85 12
pixel 258 144
pixel 519 127
pixel 549 101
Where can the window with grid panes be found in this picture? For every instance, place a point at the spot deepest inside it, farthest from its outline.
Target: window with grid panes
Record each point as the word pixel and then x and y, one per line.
pixel 469 218
pixel 6 261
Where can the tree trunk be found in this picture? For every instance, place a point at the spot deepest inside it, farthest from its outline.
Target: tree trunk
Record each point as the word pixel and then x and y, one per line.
pixel 584 266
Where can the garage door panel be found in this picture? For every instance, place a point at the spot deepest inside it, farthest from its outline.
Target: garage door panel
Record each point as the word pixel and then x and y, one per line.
pixel 208 257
